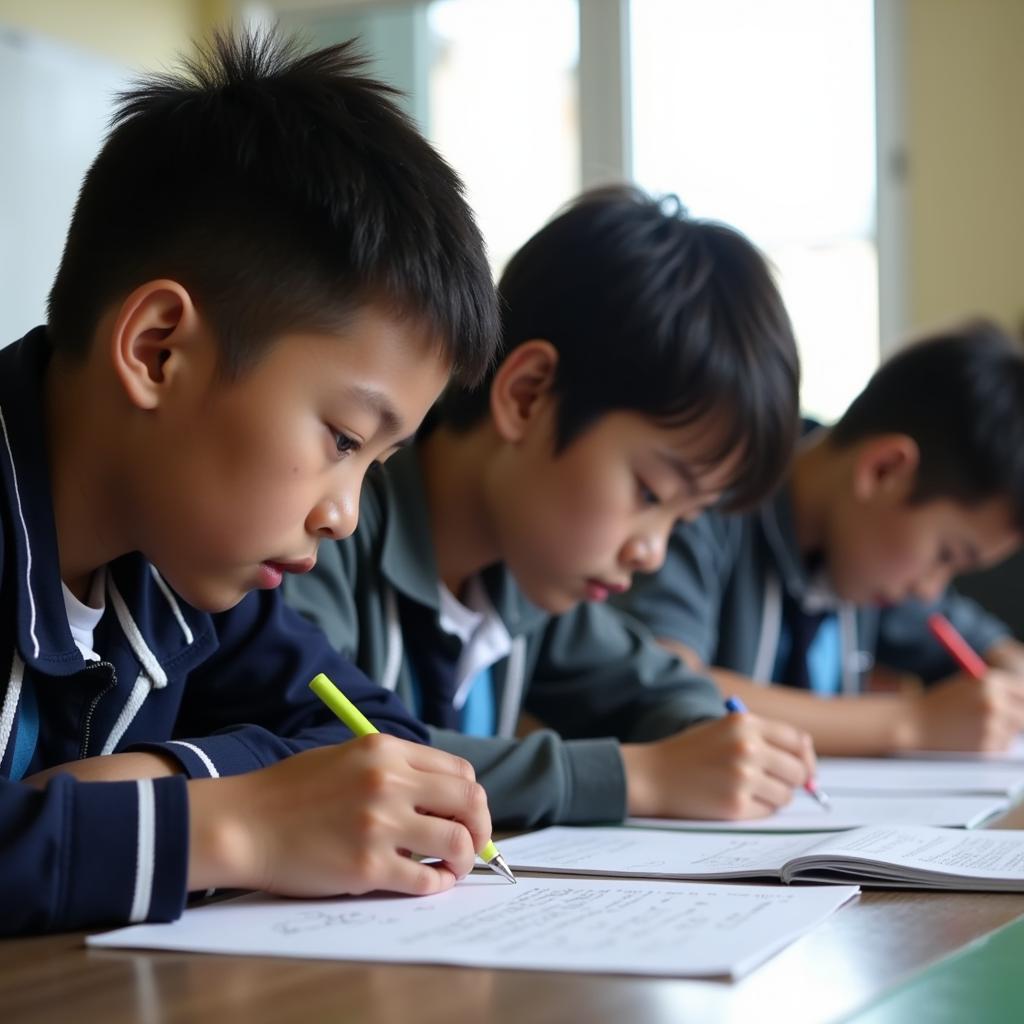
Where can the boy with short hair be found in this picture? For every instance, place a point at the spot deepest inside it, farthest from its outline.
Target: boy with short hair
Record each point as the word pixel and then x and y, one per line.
pixel 267 281
pixel 648 370
pixel 922 478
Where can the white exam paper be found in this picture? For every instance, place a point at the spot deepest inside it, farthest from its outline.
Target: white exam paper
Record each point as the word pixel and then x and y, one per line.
pixel 864 775
pixel 804 815
pixel 544 924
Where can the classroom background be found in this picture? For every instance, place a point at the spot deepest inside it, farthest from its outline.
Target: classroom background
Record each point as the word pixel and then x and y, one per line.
pixel 873 149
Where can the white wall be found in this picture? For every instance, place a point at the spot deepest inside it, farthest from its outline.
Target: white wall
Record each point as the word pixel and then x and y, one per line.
pixel 54 105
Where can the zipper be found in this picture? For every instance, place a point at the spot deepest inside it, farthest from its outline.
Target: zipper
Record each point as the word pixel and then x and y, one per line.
pixel 84 749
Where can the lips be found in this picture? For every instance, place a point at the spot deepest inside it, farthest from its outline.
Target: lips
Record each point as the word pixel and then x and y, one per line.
pixel 272 573
pixel 297 567
pixel 601 590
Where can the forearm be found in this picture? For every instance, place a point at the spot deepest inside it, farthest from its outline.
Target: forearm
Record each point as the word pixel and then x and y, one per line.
pixel 865 725
pixel 110 768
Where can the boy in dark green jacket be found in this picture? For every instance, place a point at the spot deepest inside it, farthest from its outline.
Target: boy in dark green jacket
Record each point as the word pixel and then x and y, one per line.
pixel 648 371
pixel 922 478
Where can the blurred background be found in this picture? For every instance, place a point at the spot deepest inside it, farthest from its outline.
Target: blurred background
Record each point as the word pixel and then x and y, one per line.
pixel 874 149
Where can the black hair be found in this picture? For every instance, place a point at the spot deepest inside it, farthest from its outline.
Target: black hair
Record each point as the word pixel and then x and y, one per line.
pixel 284 190
pixel 656 312
pixel 959 394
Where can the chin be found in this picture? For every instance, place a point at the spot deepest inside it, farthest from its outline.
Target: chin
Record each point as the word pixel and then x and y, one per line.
pixel 210 599
pixel 553 599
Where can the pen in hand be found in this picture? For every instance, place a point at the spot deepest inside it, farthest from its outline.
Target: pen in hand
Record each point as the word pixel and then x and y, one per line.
pixel 956 646
pixel 362 726
pixel 737 707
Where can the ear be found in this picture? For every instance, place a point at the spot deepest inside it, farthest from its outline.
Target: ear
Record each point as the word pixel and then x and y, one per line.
pixel 154 334
pixel 885 466
pixel 524 379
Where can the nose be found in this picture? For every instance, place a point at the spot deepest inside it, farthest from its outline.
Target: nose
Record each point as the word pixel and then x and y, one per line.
pixel 644 551
pixel 334 517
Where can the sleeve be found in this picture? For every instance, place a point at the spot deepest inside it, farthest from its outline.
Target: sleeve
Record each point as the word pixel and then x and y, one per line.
pixel 79 854
pixel 542 779
pixel 250 705
pixel 683 600
pixel 905 642
pixel 599 679
pixel 600 673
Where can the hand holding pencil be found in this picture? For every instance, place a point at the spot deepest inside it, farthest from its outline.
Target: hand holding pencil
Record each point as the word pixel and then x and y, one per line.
pixel 979 709
pixel 362 726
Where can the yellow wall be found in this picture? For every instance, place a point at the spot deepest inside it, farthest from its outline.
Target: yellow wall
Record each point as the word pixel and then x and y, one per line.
pixel 143 34
pixel 965 135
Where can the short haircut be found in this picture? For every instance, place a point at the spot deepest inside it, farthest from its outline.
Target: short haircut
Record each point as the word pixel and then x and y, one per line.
pixel 655 312
pixel 284 190
pixel 959 394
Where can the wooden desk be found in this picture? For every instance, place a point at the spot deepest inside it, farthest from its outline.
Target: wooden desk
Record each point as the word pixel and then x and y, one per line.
pixel 860 951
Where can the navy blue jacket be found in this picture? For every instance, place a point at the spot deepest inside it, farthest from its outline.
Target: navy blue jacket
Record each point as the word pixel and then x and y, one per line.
pixel 221 694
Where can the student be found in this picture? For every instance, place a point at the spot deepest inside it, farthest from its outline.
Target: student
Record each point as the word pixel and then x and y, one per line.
pixel 648 369
pixel 922 478
pixel 268 277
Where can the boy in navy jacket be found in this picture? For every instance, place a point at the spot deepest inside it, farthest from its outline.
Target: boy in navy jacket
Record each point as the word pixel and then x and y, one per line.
pixel 268 279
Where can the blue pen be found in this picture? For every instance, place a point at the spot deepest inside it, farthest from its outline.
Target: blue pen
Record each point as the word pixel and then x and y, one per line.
pixel 736 707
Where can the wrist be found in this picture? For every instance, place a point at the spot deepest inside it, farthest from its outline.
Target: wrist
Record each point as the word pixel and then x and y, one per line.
pixel 903 723
pixel 640 786
pixel 220 845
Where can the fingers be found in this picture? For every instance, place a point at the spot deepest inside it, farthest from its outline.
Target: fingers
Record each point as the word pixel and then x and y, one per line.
pixel 449 797
pixel 415 879
pixel 430 759
pixel 433 784
pixel 448 841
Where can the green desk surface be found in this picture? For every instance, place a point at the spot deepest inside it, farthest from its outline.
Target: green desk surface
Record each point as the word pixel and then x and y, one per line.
pixel 983 983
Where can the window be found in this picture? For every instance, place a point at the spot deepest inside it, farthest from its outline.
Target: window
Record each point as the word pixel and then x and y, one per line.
pixel 762 115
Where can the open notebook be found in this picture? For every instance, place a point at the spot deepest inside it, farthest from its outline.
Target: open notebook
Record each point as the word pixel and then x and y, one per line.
pixel 902 856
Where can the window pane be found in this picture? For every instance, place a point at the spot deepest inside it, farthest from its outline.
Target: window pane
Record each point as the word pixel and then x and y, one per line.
pixel 762 115
pixel 503 109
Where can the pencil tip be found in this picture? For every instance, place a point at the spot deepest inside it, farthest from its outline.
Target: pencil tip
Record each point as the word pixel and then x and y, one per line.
pixel 499 867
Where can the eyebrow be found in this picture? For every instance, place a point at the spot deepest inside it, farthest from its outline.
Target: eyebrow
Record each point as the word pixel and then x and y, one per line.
pixel 377 402
pixel 682 468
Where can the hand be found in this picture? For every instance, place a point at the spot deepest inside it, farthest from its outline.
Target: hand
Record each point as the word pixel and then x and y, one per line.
pixel 1007 654
pixel 341 819
pixel 740 766
pixel 110 768
pixel 963 713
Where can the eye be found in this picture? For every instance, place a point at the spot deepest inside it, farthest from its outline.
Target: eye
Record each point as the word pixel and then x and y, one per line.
pixel 946 556
pixel 646 495
pixel 345 444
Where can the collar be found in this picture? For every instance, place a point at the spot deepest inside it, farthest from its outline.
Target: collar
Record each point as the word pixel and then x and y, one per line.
pixel 811 590
pixel 408 560
pixel 29 540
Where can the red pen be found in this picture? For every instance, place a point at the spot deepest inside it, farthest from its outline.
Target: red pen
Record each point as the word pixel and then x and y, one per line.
pixel 959 649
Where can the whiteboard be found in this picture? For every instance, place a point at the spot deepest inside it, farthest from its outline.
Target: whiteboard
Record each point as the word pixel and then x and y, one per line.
pixel 55 103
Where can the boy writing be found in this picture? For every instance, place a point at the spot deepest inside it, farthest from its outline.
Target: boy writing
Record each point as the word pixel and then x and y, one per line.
pixel 922 478
pixel 267 280
pixel 648 369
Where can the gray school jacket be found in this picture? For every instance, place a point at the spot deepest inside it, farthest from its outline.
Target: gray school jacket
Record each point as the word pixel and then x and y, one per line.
pixel 594 675
pixel 720 593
